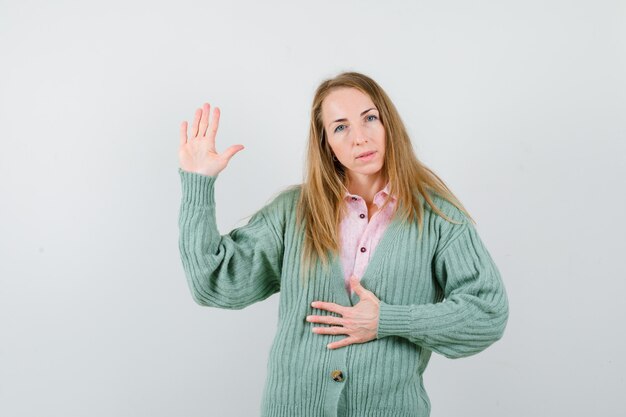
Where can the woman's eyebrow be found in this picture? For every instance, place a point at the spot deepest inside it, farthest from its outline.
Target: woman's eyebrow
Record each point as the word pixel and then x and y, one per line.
pixel 344 119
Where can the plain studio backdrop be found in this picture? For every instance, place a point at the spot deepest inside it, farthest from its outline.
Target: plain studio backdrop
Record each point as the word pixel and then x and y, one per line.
pixel 518 106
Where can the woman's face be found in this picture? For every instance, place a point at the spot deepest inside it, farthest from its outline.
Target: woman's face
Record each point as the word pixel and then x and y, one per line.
pixel 353 127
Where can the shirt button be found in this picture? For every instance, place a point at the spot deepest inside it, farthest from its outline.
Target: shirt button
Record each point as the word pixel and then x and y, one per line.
pixel 363 249
pixel 362 215
pixel 337 375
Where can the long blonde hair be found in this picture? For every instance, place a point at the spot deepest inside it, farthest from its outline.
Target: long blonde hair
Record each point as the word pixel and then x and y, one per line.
pixel 320 206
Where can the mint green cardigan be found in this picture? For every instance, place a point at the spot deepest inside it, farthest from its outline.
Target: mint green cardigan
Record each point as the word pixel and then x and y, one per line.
pixel 440 294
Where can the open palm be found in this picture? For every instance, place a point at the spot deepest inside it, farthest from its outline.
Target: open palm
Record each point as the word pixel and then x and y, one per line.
pixel 197 153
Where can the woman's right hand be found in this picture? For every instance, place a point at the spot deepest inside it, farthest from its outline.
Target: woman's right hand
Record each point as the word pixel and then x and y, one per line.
pixel 197 153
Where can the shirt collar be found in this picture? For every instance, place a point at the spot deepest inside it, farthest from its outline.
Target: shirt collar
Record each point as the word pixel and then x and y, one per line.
pixel 379 196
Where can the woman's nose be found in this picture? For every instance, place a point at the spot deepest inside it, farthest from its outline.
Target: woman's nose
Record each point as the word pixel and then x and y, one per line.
pixel 359 135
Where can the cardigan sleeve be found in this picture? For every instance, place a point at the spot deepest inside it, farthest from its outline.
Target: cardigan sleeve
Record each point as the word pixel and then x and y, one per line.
pixel 228 271
pixel 475 310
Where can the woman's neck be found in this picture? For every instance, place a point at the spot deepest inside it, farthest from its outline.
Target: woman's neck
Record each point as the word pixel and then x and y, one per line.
pixel 366 186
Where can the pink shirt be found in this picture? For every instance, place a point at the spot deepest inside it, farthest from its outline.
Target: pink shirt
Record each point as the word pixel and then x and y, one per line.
pixel 358 236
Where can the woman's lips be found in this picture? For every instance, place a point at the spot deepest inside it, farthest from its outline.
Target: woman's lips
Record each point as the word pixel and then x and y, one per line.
pixel 367 156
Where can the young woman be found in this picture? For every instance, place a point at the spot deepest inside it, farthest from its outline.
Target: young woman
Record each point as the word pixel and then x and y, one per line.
pixel 377 263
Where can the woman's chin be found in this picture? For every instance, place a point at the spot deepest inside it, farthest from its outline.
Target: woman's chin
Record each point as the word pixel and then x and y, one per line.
pixel 371 170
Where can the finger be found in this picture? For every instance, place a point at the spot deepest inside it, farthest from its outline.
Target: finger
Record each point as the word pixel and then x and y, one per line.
pixel 215 122
pixel 323 305
pixel 325 320
pixel 230 151
pixel 204 120
pixel 329 330
pixel 196 120
pixel 343 342
pixel 183 133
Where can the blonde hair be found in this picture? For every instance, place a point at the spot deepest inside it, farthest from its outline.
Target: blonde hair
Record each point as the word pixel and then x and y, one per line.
pixel 320 206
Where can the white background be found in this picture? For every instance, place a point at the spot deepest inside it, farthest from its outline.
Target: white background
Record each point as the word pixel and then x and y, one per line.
pixel 518 106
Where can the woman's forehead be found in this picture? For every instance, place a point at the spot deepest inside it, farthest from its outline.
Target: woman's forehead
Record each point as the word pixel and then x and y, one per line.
pixel 345 102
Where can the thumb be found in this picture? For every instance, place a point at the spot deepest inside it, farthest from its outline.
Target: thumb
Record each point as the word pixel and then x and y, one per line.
pixel 230 151
pixel 356 286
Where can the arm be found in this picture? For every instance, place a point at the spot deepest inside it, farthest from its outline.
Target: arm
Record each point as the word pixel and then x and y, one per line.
pixel 228 271
pixel 475 310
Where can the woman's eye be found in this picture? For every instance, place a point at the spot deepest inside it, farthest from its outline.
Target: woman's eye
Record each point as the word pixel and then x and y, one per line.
pixel 368 116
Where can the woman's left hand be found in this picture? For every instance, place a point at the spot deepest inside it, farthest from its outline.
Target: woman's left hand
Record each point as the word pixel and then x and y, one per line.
pixel 359 322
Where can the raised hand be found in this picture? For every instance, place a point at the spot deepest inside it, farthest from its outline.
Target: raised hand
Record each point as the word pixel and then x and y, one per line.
pixel 197 153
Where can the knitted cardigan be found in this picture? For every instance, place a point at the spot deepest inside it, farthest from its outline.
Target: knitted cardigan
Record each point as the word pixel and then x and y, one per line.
pixel 442 293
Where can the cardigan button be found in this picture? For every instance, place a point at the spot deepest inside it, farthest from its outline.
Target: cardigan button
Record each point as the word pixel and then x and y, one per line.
pixel 363 249
pixel 337 375
pixel 362 215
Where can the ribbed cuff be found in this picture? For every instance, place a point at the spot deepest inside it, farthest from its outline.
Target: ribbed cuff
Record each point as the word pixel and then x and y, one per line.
pixel 393 320
pixel 197 189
